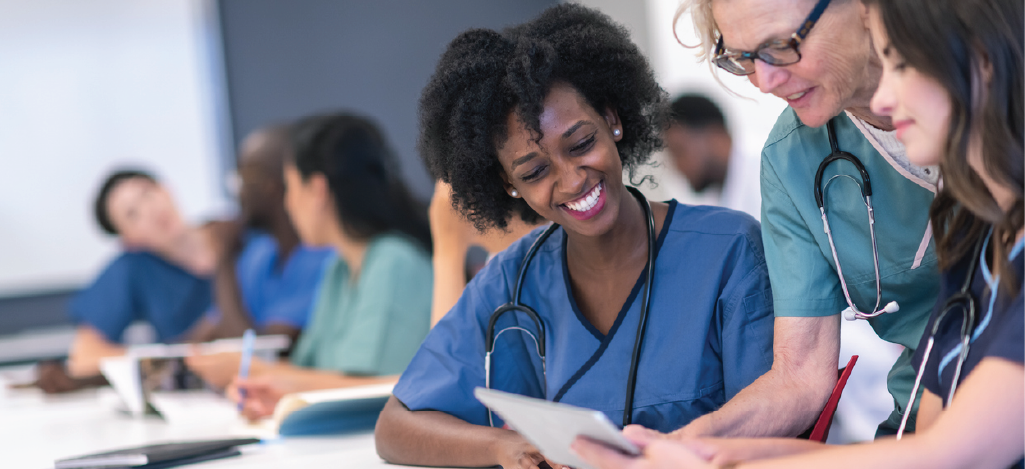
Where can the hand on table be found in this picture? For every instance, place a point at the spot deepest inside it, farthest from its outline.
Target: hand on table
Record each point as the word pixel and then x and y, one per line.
pixel 53 378
pixel 516 453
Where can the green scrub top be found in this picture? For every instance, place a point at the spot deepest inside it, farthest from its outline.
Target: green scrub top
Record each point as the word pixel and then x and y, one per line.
pixel 801 268
pixel 372 325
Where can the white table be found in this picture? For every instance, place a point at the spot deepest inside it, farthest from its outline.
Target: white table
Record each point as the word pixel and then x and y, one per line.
pixel 36 429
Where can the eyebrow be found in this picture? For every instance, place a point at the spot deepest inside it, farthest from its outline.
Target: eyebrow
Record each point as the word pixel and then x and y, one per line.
pixel 575 127
pixel 523 159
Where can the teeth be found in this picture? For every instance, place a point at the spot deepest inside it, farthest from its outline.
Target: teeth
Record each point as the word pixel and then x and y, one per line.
pixel 796 95
pixel 587 202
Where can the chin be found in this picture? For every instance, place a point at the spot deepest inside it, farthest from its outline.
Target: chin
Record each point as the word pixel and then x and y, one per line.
pixel 920 156
pixel 814 118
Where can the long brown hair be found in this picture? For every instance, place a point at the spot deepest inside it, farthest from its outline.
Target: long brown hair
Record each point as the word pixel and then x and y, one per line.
pixel 952 41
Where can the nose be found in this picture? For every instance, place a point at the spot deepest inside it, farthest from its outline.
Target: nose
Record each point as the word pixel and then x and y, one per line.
pixel 572 177
pixel 768 77
pixel 884 98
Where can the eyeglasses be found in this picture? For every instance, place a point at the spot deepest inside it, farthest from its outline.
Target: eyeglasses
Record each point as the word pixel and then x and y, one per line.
pixel 778 52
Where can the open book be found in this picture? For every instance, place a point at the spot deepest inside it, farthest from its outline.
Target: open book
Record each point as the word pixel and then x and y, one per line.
pixel 345 410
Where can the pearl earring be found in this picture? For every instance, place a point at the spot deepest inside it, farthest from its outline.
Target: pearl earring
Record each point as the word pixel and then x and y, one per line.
pixel 514 193
pixel 617 132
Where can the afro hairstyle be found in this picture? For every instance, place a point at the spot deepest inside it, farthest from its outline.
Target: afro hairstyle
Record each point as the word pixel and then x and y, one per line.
pixel 485 75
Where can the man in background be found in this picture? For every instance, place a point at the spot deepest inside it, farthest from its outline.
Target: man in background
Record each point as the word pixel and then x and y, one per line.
pixel 699 165
pixel 268 280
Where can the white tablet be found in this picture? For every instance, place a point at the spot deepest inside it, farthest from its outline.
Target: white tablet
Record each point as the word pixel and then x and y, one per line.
pixel 552 427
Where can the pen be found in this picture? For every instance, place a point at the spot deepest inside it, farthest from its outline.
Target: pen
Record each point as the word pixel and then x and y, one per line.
pixel 243 369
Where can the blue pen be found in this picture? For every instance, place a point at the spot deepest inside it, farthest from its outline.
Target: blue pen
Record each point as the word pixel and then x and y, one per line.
pixel 243 369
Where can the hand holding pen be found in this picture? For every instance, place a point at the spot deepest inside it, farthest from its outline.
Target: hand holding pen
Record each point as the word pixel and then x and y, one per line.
pixel 243 369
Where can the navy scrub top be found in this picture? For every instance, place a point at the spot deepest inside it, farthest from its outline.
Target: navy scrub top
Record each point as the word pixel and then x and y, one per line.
pixel 142 286
pixel 709 331
pixel 999 330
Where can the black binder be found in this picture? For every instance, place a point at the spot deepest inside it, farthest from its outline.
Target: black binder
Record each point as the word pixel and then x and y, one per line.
pixel 157 456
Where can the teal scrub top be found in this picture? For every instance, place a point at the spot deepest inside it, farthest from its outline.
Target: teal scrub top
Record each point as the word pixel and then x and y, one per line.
pixel 371 325
pixel 797 253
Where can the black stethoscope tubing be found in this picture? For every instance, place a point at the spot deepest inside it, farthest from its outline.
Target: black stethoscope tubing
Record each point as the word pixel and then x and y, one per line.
pixel 539 340
pixel 966 301
pixel 851 313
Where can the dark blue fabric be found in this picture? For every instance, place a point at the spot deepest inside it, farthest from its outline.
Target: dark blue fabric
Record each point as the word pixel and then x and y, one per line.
pixel 142 286
pixel 709 331
pixel 999 331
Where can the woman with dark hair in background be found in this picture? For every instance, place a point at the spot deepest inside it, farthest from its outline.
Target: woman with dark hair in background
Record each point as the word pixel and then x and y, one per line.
pixel 373 306
pixel 953 84
pixel 542 120
pixel 163 277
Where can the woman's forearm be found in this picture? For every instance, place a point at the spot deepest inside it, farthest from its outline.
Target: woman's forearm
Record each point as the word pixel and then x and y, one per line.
pixel 431 438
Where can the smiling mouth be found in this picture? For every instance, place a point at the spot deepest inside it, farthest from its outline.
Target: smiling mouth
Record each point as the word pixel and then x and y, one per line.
pixel 586 202
pixel 798 95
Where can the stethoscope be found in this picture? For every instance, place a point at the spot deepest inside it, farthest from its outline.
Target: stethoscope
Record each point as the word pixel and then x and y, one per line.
pixel 539 339
pixel 964 300
pixel 851 313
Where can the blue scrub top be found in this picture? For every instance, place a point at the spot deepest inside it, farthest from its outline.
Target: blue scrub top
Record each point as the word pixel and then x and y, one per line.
pixel 999 330
pixel 142 286
pixel 274 295
pixel 709 331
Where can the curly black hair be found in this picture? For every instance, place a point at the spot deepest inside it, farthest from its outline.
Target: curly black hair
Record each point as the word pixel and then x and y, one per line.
pixel 485 75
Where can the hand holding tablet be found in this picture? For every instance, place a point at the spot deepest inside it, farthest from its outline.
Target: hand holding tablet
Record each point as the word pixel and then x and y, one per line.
pixel 552 427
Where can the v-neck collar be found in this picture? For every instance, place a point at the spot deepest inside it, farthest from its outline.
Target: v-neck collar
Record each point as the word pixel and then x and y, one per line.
pixel 606 339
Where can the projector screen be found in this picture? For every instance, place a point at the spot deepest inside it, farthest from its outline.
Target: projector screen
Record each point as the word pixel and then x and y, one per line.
pixel 86 87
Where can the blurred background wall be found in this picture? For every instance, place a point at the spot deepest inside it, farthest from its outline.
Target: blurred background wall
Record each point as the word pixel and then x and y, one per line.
pixel 174 85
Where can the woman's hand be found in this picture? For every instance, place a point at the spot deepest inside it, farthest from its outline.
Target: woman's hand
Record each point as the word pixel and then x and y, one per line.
pixel 220 369
pixel 262 394
pixel 657 452
pixel 514 452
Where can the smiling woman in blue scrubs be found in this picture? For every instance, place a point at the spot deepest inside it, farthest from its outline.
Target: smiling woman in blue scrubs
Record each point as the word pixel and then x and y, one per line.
pixel 543 119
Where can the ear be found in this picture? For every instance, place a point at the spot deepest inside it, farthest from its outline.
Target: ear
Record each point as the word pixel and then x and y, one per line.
pixel 612 119
pixel 508 187
pixel 863 11
pixel 319 189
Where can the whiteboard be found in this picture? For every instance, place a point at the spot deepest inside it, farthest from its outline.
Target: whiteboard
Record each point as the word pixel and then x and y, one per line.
pixel 86 87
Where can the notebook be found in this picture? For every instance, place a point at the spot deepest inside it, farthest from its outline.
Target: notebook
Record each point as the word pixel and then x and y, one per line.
pixel 345 410
pixel 158 455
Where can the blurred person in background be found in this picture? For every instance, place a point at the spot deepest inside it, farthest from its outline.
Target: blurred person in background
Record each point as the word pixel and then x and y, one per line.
pixel 702 162
pixel 372 308
pixel 163 277
pixel 453 235
pixel 267 279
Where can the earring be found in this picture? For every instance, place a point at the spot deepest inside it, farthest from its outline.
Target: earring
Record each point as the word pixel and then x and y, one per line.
pixel 514 193
pixel 617 132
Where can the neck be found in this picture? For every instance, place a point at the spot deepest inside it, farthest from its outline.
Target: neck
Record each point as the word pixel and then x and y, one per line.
pixel 284 234
pixel 626 242
pixel 351 250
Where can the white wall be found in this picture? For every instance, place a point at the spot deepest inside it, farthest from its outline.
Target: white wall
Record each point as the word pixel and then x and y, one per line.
pixel 86 87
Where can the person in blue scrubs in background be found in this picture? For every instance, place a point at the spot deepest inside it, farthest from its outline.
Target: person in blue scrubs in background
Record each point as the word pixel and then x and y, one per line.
pixel 163 277
pixel 543 119
pixel 268 278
